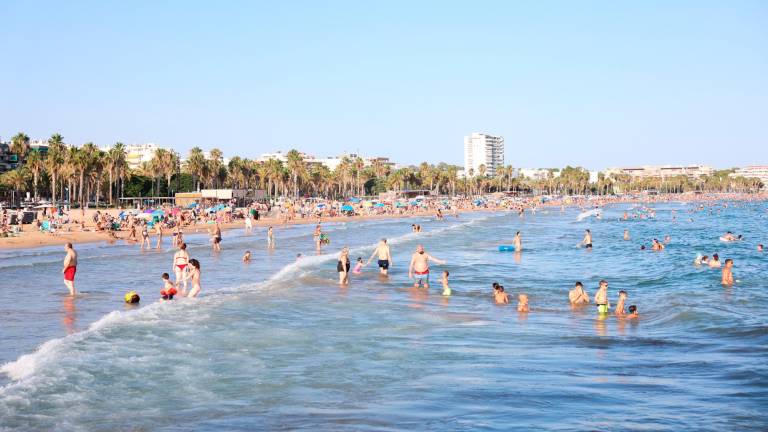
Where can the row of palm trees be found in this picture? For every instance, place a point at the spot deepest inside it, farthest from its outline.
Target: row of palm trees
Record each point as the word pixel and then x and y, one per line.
pixel 87 174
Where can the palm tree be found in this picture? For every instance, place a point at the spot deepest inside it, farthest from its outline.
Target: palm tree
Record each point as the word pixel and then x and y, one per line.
pixel 113 162
pixel 36 165
pixel 196 165
pixel 54 161
pixel 20 146
pixel 357 168
pixel 297 168
pixel 214 165
pixel 16 179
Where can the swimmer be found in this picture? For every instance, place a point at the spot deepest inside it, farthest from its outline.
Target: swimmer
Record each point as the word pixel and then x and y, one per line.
pixel 499 296
pixel 619 310
pixel 419 267
pixel 444 280
pixel 760 247
pixel 577 295
pixel 359 266
pixel 522 303
pixel 657 246
pixel 667 239
pixel 518 242
pixel 626 234
pixel 715 261
pixel 601 298
pixel 632 312
pixel 700 259
pixel 70 268
pixel 298 257
pixel 194 274
pixel 169 290
pixel 587 240
pixel 642 247
pixel 727 278
pixel 270 237
pixel 180 262
pixel 384 257
pixel 247 257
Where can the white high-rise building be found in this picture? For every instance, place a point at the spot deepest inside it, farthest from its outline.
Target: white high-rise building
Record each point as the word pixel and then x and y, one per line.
pixel 483 149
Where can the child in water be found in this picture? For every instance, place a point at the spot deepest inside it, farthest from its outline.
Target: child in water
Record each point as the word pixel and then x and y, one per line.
pixel 632 311
pixel 444 280
pixel 619 310
pixel 499 296
pixel 169 290
pixel 522 303
pixel 601 298
pixel 359 266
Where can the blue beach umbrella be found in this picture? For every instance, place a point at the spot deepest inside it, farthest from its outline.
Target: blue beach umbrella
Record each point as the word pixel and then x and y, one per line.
pixel 347 208
pixel 354 200
pixel 379 205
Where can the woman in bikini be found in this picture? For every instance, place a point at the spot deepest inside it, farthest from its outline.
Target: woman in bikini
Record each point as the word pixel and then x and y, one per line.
pixel 180 261
pixel 342 266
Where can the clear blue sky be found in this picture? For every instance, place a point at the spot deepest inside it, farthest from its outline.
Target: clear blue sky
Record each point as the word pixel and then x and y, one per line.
pixel 587 83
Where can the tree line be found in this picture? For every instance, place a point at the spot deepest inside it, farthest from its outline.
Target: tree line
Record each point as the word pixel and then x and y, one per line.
pixel 87 174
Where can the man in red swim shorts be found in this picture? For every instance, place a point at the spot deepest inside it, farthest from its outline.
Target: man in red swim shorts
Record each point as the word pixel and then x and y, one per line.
pixel 70 268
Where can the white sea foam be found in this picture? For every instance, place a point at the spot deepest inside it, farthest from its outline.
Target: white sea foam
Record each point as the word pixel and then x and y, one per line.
pixel 27 364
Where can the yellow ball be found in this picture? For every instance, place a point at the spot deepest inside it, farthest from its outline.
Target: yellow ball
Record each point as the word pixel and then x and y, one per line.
pixel 132 297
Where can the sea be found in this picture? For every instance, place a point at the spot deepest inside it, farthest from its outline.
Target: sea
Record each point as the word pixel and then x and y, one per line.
pixel 277 344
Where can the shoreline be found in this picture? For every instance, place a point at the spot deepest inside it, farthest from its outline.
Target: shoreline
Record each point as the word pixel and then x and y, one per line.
pixel 35 239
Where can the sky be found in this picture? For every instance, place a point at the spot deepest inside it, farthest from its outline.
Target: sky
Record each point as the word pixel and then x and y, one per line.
pixel 583 83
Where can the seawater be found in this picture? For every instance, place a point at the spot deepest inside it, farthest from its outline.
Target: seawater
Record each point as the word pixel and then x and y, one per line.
pixel 276 344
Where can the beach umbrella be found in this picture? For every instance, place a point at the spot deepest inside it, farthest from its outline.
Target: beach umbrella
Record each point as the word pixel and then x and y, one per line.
pixel 191 206
pixel 347 208
pixel 158 213
pixel 321 205
pixel 148 211
pixel 354 200
pixel 399 204
pixel 379 205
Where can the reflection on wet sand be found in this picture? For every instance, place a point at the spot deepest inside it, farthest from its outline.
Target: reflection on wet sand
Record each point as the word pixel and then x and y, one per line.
pixel 70 314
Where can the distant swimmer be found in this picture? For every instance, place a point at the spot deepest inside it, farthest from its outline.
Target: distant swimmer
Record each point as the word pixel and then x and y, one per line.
pixel 632 312
pixel 444 280
pixel 657 246
pixel 587 240
pixel 729 237
pixel 499 296
pixel 316 236
pixel 760 247
pixel 419 267
pixel 70 268
pixel 577 296
pixel 626 234
pixel 384 256
pixel 270 237
pixel 145 236
pixel 342 266
pixel 169 290
pixel 715 261
pixel 701 259
pixel 667 239
pixel 247 256
pixel 522 303
pixel 216 237
pixel 727 273
pixel 159 234
pixel 180 262
pixel 518 242
pixel 194 275
pixel 619 310
pixel 358 266
pixel 601 298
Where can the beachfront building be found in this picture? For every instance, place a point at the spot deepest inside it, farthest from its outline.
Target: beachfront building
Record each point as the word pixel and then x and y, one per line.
pixel 537 173
pixel 8 160
pixel 136 154
pixel 753 171
pixel 483 149
pixel 664 171
pixel 331 162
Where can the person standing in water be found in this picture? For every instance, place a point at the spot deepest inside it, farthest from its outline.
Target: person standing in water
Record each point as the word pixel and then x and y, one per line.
pixel 626 234
pixel 601 298
pixel 587 240
pixel 180 262
pixel 446 287
pixel 518 242
pixel 144 236
pixel 727 278
pixel 159 234
pixel 70 268
pixel 316 236
pixel 384 256
pixel 577 296
pixel 270 237
pixel 216 237
pixel 194 275
pixel 342 266
pixel 419 267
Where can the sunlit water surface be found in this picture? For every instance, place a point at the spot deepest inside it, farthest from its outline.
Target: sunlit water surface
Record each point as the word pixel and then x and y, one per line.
pixel 276 344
